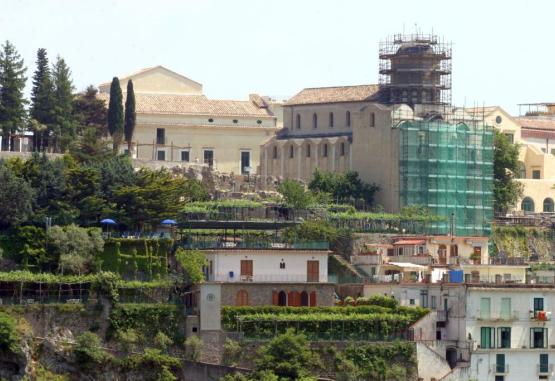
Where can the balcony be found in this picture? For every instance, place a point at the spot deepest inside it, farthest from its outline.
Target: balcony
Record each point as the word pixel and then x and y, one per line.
pixel 207 244
pixel 442 316
pixel 500 368
pixel 496 315
pixel 540 315
pixel 545 369
pixel 263 278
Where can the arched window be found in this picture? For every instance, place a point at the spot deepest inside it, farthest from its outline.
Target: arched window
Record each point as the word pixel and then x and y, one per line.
pixel 454 251
pixel 527 205
pixel 298 122
pixel 372 119
pixel 548 205
pixel 331 119
pixel 294 299
pixel 242 298
pixel 314 121
pixel 275 153
pixel 304 299
pixel 282 298
pixel 348 119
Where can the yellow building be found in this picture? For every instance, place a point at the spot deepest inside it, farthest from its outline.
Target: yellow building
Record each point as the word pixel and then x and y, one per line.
pixel 536 137
pixel 177 123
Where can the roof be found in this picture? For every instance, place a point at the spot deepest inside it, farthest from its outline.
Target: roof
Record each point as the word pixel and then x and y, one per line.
pixel 192 105
pixel 316 95
pixel 410 242
pixel 537 123
pixel 409 266
pixel 147 69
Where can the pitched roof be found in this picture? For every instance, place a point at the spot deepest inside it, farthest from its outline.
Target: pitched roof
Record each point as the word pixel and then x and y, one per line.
pixel 145 70
pixel 315 95
pixel 537 123
pixel 192 105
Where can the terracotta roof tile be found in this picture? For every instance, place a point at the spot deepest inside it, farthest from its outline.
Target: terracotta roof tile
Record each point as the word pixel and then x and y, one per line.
pixel 192 105
pixel 537 123
pixel 359 93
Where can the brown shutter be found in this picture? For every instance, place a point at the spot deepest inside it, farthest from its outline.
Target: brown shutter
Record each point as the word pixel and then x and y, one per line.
pixel 312 271
pixel 313 299
pixel 275 298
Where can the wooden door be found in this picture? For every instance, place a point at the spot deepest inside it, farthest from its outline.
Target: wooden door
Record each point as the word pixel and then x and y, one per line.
pixel 313 271
pixel 246 269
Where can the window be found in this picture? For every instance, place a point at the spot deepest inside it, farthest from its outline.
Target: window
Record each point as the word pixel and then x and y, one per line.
pixel 504 337
pixel 210 120
pixel 314 121
pixel 282 264
pixel 498 119
pixel 510 137
pixel 291 152
pixel 536 174
pixel 274 155
pixel 505 308
pixel 298 122
pixel 342 149
pixel 184 155
pixel 304 299
pixel 521 170
pixel 548 205
pixel 258 121
pixel 161 155
pixel 411 302
pixel 209 157
pixel 372 120
pixel 325 153
pixel 500 363
pixel 242 298
pixel 424 298
pixel 544 363
pixel 454 251
pixel 161 136
pixel 245 162
pixel 527 205
pixel 331 119
pixel 235 121
pixel 246 269
pixel 434 302
pixel 313 271
pixel 348 118
pixel 485 308
pixel 553 151
pixel 487 337
pixel 538 337
pixel 308 150
pixel 499 378
pixel 538 305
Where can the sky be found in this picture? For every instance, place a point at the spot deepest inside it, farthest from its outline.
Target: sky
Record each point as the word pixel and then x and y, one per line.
pixel 502 50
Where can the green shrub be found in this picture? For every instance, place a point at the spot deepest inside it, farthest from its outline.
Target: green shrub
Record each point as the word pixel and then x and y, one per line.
pixel 193 348
pixel 162 341
pixel 232 352
pixel 146 319
pixel 128 339
pixel 9 337
pixel 88 350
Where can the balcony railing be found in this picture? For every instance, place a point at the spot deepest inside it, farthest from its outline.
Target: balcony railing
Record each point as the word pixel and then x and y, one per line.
pixel 545 369
pixel 263 278
pixel 540 315
pixel 500 368
pixel 497 315
pixel 259 244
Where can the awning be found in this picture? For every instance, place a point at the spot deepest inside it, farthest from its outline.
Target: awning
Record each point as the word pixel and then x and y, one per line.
pixel 409 266
pixel 410 242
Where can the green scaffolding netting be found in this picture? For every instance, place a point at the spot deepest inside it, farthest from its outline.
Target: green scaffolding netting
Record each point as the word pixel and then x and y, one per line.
pixel 449 169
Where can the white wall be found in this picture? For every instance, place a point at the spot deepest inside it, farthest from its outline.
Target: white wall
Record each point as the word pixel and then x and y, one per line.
pixel 266 264
pixel 522 365
pixel 210 303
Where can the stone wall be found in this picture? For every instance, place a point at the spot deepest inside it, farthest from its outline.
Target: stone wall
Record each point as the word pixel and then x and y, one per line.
pixel 201 371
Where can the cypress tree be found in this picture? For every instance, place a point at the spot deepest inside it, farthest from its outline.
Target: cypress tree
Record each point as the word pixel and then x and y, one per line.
pixel 115 113
pixel 42 97
pixel 64 119
pixel 12 103
pixel 130 116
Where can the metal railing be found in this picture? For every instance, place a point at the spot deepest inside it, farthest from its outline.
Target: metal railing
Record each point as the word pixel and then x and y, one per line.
pixel 545 369
pixel 266 278
pixel 203 244
pixel 500 368
pixel 496 315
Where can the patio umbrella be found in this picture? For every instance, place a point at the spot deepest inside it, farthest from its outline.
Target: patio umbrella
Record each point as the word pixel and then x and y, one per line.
pixel 108 221
pixel 169 222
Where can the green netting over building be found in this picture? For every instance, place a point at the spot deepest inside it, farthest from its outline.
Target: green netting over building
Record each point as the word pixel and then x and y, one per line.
pixel 449 169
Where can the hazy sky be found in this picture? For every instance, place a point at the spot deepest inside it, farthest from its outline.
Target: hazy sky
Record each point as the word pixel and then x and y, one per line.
pixel 503 52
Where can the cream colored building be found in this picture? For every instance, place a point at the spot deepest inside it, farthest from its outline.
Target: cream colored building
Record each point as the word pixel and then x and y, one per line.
pixel 536 137
pixel 177 123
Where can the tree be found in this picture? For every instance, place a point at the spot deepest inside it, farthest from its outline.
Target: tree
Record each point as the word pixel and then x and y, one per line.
pixel 115 113
pixel 288 356
pixel 64 119
pixel 12 103
pixel 295 195
pixel 42 97
pixel 74 247
pixel 91 112
pixel 192 262
pixel 343 186
pixel 506 189
pixel 130 116
pixel 16 198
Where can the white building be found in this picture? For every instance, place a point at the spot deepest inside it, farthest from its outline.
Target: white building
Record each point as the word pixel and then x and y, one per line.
pixel 513 332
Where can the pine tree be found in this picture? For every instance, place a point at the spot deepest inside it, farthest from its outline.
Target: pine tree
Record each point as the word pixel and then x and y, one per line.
pixel 115 113
pixel 42 97
pixel 130 116
pixel 12 103
pixel 64 120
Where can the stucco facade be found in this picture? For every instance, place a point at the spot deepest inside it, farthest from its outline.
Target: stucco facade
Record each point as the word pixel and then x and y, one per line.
pixel 177 124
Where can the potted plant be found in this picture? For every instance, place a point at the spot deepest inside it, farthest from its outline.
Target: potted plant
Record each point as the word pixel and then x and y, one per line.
pixel 476 258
